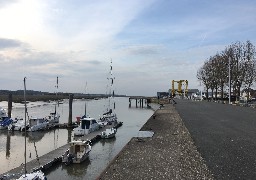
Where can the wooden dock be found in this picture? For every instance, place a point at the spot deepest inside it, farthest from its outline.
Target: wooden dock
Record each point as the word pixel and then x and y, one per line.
pixel 50 159
pixel 141 100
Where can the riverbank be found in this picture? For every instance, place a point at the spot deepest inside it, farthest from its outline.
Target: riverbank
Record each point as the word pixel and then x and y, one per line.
pixel 169 154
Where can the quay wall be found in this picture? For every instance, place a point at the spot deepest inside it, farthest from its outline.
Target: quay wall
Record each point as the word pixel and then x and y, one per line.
pixel 169 154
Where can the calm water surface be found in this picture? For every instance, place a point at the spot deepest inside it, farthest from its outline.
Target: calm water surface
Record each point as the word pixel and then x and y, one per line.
pixel 12 143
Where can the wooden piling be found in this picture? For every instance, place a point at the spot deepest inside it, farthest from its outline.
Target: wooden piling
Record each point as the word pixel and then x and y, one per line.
pixel 69 135
pixel 140 101
pixel 10 105
pixel 71 96
pixel 8 145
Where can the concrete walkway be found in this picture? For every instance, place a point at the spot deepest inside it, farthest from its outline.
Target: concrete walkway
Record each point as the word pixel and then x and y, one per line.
pixel 169 154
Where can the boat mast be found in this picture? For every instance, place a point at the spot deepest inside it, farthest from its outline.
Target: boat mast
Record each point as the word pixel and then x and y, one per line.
pixel 25 168
pixel 112 84
pixel 57 86
pixel 85 100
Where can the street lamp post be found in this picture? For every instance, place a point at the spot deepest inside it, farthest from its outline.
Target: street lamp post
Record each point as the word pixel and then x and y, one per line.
pixel 229 81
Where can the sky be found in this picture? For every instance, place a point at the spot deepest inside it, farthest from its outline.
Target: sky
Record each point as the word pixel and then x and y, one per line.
pixel 150 42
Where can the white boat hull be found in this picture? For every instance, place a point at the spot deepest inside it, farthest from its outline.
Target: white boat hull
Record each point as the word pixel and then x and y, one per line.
pixel 80 132
pixel 39 175
pixel 77 152
pixel 108 133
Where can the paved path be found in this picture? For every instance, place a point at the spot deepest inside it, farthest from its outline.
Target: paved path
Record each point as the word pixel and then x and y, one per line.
pixel 169 154
pixel 225 135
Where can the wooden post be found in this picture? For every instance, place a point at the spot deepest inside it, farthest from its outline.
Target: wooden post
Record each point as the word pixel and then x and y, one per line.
pixel 8 145
pixel 129 102
pixel 69 135
pixel 70 110
pixel 142 101
pixel 10 105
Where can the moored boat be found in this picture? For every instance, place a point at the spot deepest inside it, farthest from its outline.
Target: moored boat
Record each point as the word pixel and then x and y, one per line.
pixel 78 152
pixel 87 125
pixel 17 125
pixel 109 116
pixel 38 175
pixel 5 121
pixel 54 117
pixel 108 133
pixel 36 124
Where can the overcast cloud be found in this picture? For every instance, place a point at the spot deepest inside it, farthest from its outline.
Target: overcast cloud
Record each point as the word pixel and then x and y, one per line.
pixel 151 42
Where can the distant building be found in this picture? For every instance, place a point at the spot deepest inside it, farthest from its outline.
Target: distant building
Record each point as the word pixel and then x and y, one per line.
pixel 192 92
pixel 162 94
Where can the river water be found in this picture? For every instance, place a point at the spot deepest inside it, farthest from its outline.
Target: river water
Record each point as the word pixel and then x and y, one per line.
pixel 12 143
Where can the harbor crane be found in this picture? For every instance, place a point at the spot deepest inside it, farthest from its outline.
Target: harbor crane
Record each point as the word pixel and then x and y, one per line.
pixel 179 90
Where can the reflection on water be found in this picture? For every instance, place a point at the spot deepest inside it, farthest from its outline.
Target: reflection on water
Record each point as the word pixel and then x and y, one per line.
pixel 12 143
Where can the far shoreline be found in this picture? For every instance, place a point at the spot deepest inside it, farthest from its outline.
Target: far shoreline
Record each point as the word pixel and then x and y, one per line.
pixel 47 98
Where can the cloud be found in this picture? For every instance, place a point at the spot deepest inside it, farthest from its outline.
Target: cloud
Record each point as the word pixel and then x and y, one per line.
pixel 9 43
pixel 61 25
pixel 4 3
pixel 143 49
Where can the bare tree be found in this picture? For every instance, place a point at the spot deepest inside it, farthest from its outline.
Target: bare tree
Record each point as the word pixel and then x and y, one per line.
pixel 214 73
pixel 249 65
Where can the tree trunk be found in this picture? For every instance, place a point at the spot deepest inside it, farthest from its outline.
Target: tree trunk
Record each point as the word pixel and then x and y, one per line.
pixel 216 93
pixel 222 92
pixel 207 93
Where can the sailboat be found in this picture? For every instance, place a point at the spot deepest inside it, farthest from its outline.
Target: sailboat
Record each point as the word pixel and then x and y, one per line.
pixel 109 116
pixel 39 175
pixel 87 124
pixel 54 117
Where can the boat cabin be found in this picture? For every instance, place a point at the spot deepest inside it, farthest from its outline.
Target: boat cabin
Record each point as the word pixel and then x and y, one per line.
pixel 87 125
pixel 36 121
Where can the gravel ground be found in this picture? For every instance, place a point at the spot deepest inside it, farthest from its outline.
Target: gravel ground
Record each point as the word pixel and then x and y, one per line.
pixel 169 154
